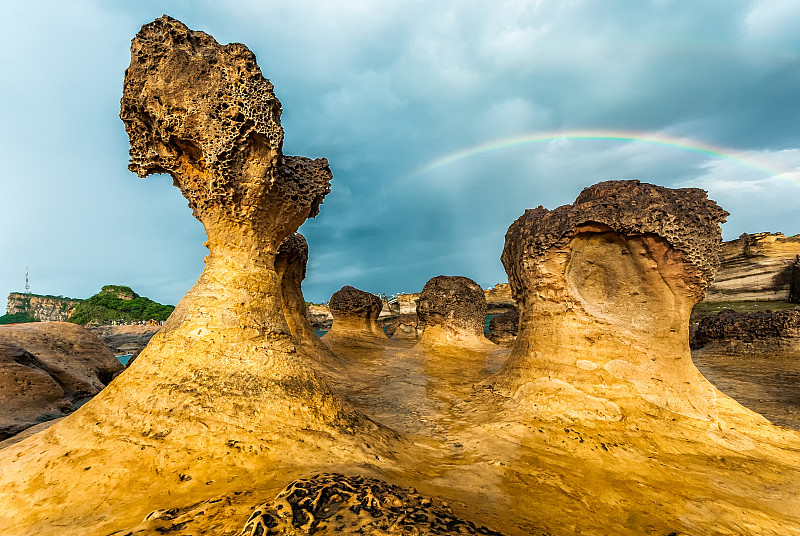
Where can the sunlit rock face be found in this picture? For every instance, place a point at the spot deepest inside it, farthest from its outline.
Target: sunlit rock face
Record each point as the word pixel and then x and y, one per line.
pixel 221 391
pixel 605 288
pixel 452 311
pixel 403 327
pixel 765 333
pixel 355 319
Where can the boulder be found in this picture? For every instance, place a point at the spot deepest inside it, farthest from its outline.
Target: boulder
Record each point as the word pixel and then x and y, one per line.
pixel 46 370
pixel 403 327
pixel 503 328
pixel 452 311
pixel 773 333
pixel 355 319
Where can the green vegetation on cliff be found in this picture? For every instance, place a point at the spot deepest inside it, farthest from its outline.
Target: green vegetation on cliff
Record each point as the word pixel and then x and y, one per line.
pixel 16 318
pixel 116 302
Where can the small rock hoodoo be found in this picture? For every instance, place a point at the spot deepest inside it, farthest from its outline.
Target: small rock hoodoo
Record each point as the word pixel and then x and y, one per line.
pixel 605 287
pixel 355 319
pixel 452 311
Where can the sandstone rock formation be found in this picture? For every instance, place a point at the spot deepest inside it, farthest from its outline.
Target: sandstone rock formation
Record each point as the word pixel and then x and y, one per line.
pixel 355 319
pixel 794 289
pixel 605 288
pixel 319 316
pixel 452 311
pixel 499 298
pixel 403 327
pixel 503 328
pixel 290 264
pixel 42 308
pixel 755 267
pixel 774 333
pixel 46 370
pixel 407 303
pixel 220 393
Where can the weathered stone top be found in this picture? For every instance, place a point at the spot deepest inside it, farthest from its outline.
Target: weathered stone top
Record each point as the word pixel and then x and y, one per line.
pixel 350 302
pixel 685 217
pixel 453 302
pixel 203 113
pixel 293 251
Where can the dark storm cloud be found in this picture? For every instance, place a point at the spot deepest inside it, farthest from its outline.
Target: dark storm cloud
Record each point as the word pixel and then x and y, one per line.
pixel 383 89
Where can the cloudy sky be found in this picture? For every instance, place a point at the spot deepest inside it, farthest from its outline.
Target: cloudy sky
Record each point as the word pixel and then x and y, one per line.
pixel 443 121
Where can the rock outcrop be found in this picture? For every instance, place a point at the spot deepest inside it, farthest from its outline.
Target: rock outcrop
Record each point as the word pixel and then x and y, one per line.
pixel 355 319
pixel 605 288
pixel 46 370
pixel 499 298
pixel 407 303
pixel 403 327
pixel 290 264
pixel 794 289
pixel 220 393
pixel 42 308
pixel 452 311
pixel 773 333
pixel 503 328
pixel 125 339
pixel 755 267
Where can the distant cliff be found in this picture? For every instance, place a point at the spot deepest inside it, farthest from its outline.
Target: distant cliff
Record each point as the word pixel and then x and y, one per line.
pixel 42 308
pixel 755 267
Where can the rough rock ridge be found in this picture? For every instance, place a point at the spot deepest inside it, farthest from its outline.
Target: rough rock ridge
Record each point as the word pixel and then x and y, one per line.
pixel 403 327
pixel 337 504
pixel 605 288
pixel 220 391
pixel 775 333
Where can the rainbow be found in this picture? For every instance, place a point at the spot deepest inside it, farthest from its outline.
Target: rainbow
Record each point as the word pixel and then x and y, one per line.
pixel 685 144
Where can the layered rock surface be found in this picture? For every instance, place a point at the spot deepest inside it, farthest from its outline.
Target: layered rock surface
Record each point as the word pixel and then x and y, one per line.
pixel 42 308
pixel 46 370
pixel 403 327
pixel 774 333
pixel 221 391
pixel 125 339
pixel 755 267
pixel 503 328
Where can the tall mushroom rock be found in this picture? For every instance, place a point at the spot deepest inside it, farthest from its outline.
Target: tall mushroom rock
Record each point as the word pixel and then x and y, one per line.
pixel 605 287
pixel 452 311
pixel 290 264
pixel 220 395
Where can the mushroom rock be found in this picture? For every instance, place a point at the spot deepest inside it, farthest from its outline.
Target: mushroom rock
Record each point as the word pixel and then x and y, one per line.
pixel 355 319
pixel 403 327
pixel 290 264
pixel 503 328
pixel 773 333
pixel 605 287
pixel 220 393
pixel 452 312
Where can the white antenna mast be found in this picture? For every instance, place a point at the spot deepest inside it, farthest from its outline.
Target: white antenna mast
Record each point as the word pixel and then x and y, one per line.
pixel 27 283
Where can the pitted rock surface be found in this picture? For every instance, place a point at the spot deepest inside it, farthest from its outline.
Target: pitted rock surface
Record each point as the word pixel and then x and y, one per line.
pixel 743 333
pixel 332 503
pixel 293 251
pixel 204 113
pixel 503 328
pixel 454 302
pixel 685 217
pixel 350 302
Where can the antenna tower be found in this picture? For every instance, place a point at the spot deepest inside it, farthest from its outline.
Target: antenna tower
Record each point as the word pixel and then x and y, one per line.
pixel 27 283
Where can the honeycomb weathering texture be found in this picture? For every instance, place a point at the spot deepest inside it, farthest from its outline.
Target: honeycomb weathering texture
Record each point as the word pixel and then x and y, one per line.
pixel 351 302
pixel 685 217
pixel 203 113
pixel 453 302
